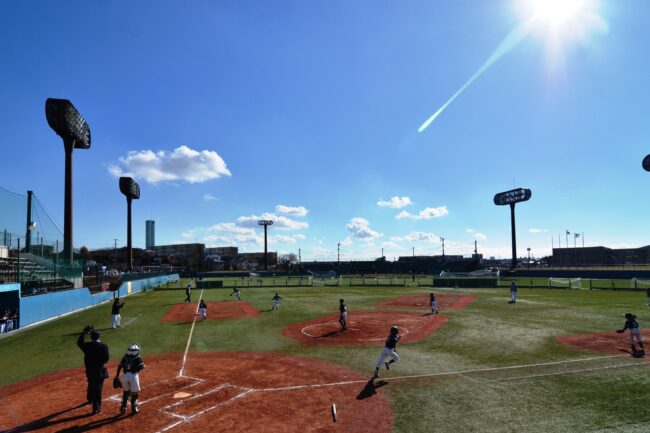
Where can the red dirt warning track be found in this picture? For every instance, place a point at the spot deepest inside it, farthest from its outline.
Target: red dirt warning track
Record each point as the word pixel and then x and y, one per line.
pixel 220 392
pixel 216 311
pixel 365 328
pixel 446 301
pixel 608 342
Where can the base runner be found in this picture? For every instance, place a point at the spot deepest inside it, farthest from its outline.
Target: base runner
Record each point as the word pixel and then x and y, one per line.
pixel 389 350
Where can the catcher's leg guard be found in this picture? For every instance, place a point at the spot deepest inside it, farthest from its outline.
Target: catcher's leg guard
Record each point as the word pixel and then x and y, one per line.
pixel 134 403
pixel 125 399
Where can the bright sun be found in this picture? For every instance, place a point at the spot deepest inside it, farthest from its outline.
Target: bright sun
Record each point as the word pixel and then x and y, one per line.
pixel 556 12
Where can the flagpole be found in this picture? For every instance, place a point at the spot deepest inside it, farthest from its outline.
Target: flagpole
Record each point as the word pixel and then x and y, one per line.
pixel 583 240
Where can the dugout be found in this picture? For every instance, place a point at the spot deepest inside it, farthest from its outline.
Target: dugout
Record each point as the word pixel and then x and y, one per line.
pixel 9 297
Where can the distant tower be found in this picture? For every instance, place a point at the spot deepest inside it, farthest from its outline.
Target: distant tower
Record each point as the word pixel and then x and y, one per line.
pixel 151 234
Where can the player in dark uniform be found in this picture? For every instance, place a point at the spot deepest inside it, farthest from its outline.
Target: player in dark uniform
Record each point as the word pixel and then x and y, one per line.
pixel 132 365
pixel 343 315
pixel 95 356
pixel 635 333
pixel 188 291
pixel 389 350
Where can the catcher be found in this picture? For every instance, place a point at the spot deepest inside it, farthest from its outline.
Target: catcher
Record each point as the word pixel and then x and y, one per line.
pixel 132 365
pixel 635 333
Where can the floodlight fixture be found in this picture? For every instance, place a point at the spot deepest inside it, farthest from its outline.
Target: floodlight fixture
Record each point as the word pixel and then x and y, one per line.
pixel 66 121
pixel 266 224
pixel 511 198
pixel 646 163
pixel 131 190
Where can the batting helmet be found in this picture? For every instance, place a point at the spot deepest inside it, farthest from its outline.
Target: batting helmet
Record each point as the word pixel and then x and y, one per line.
pixel 394 329
pixel 133 349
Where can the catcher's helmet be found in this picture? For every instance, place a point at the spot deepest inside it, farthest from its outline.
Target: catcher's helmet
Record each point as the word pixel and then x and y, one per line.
pixel 394 329
pixel 133 349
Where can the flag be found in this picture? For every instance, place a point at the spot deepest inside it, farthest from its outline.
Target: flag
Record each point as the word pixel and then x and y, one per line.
pixel 576 235
pixel 568 233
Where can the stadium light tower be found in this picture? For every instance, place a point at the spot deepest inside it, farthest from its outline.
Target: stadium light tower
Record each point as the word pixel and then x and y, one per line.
pixel 66 121
pixel 511 198
pixel 266 224
pixel 131 190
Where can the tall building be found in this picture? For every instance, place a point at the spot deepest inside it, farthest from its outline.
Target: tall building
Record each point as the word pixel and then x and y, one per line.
pixel 151 234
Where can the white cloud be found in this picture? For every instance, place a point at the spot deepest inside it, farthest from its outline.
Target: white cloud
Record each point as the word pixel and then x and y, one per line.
pixel 480 236
pixel 535 231
pixel 208 197
pixel 395 202
pixel 183 164
pixel 470 230
pixel 279 222
pixel 297 211
pixel 416 236
pixel 425 214
pixel 346 242
pixel 359 229
pixel 286 239
pixel 391 245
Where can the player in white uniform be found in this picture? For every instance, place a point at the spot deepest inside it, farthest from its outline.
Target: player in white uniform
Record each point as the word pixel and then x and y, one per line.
pixel 389 350
pixel 203 310
pixel 237 293
pixel 132 364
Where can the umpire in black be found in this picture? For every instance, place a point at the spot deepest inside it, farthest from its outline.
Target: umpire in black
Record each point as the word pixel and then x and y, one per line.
pixel 95 356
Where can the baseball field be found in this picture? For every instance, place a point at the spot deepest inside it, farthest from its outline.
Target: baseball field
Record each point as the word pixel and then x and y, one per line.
pixel 551 362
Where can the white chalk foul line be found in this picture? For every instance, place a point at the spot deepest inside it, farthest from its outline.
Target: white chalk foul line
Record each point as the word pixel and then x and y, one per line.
pixel 444 373
pixel 197 381
pixel 189 339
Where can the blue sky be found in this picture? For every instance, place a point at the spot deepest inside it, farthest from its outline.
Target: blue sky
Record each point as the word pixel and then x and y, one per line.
pixel 307 112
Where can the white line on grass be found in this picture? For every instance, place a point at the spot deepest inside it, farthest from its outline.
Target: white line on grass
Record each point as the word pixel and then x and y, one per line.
pixel 444 373
pixel 189 339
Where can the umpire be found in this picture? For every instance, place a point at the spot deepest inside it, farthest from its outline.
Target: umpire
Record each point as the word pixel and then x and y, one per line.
pixel 95 356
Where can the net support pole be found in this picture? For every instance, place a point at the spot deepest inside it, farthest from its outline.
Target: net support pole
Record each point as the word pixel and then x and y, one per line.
pixel 514 235
pixel 28 231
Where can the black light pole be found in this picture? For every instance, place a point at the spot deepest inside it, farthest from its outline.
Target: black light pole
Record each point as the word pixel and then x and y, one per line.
pixel 131 190
pixel 265 223
pixel 66 121
pixel 511 198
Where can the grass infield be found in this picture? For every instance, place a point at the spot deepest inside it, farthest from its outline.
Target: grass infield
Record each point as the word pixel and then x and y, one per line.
pixel 493 367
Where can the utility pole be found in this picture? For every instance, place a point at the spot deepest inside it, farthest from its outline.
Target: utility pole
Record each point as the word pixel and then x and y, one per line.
pixel 413 251
pixel 443 247
pixel 476 248
pixel 115 251
pixel 299 259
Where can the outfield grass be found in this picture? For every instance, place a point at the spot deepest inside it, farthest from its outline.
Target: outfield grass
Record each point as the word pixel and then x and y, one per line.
pixel 488 333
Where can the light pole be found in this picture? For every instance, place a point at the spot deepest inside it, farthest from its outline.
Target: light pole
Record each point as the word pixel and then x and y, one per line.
pixel 66 121
pixel 528 257
pixel 131 190
pixel 511 198
pixel 443 248
pixel 265 223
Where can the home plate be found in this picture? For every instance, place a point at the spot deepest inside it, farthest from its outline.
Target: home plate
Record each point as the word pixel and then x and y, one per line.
pixel 181 394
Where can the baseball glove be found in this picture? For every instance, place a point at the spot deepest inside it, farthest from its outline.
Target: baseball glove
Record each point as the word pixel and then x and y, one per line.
pixel 117 383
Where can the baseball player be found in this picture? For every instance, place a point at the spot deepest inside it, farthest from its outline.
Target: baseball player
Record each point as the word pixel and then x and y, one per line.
pixel 132 365
pixel 188 292
pixel 203 310
pixel 115 312
pixel 513 293
pixel 434 303
pixel 276 302
pixel 635 333
pixel 343 315
pixel 647 293
pixel 237 293
pixel 389 350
